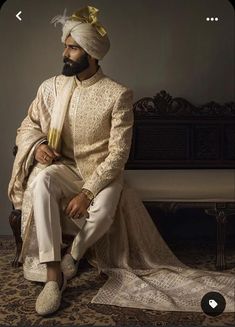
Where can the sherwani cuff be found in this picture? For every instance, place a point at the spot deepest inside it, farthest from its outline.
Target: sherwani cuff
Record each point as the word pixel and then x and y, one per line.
pixel 92 190
pixel 90 187
pixel 96 184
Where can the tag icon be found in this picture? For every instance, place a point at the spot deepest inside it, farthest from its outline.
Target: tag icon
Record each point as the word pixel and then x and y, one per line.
pixel 213 303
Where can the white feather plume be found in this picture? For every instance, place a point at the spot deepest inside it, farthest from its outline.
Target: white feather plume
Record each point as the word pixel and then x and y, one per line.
pixel 60 18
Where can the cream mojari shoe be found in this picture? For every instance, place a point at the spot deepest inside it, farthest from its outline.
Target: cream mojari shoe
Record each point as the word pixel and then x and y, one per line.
pixel 49 299
pixel 68 266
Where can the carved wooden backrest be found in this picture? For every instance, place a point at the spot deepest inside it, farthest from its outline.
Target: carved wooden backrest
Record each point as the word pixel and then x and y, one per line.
pixel 173 133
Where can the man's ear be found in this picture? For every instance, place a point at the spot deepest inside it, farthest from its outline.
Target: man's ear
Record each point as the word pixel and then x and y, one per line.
pixel 91 58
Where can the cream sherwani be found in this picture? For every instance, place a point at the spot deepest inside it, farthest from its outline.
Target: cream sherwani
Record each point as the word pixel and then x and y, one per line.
pixel 95 145
pixel 99 124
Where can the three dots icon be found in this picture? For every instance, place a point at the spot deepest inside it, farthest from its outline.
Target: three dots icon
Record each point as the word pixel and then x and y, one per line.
pixel 212 19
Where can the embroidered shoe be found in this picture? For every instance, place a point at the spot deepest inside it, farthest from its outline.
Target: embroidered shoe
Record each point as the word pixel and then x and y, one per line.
pixel 49 299
pixel 68 266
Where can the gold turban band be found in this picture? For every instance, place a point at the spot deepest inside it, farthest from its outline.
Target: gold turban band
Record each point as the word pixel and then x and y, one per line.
pixel 89 15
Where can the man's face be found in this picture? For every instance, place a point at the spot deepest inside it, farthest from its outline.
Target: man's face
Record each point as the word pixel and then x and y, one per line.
pixel 75 58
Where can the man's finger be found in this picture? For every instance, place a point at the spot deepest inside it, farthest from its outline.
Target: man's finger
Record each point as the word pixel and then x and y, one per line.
pixel 46 160
pixel 85 214
pixel 76 216
pixel 56 153
pixel 47 150
pixel 49 153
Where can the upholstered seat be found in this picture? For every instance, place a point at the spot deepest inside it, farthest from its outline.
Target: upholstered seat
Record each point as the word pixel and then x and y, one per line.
pixel 181 185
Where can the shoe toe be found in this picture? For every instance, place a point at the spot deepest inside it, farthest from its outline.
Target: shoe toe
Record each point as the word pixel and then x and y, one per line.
pixel 49 299
pixel 68 266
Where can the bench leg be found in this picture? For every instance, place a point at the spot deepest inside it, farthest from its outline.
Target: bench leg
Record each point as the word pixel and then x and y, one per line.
pixel 221 234
pixel 15 222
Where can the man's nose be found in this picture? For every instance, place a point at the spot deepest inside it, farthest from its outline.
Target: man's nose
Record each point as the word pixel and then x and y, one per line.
pixel 65 53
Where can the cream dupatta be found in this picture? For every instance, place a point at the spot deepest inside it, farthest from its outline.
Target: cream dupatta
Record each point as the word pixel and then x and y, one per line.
pixel 58 114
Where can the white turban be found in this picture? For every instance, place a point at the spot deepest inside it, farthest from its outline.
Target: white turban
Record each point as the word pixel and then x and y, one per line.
pixel 86 31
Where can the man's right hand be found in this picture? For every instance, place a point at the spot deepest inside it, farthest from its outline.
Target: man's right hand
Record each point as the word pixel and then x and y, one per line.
pixel 44 154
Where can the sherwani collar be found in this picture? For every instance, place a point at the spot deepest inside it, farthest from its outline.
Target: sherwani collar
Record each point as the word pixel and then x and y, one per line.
pixel 92 80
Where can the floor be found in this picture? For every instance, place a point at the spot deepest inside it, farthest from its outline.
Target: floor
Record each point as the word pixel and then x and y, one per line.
pixel 17 296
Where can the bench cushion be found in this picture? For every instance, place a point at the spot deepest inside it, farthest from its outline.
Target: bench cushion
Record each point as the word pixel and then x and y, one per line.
pixel 194 185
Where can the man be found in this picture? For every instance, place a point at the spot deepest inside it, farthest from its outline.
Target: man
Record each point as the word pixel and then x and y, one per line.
pixel 77 137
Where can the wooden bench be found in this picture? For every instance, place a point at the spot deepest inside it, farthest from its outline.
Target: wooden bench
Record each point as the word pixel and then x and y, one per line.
pixel 183 156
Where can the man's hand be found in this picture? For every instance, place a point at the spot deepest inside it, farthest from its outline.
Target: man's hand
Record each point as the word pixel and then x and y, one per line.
pixel 44 154
pixel 78 206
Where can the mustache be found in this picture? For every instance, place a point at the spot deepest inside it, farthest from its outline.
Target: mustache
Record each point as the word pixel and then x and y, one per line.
pixel 68 61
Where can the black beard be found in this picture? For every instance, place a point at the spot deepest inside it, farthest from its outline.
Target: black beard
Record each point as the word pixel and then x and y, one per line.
pixel 72 68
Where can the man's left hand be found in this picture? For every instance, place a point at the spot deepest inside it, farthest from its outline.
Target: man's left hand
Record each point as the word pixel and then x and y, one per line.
pixel 78 206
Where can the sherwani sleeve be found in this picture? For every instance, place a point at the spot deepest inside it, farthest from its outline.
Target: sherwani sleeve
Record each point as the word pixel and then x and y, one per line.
pixel 119 144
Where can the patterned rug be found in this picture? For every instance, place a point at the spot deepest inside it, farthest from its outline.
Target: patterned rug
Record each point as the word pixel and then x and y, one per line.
pixel 17 296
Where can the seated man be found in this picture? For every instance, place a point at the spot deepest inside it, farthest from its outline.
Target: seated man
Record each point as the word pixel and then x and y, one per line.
pixel 72 147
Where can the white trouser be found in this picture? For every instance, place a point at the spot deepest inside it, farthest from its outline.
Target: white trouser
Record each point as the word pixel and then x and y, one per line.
pixel 50 187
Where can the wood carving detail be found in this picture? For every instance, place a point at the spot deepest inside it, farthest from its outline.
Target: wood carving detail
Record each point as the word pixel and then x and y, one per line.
pixel 173 133
pixel 163 105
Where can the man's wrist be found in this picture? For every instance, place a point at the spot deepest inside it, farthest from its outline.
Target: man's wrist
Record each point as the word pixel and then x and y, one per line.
pixel 88 193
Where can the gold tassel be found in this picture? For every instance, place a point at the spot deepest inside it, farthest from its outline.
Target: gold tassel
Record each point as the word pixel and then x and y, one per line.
pixel 54 138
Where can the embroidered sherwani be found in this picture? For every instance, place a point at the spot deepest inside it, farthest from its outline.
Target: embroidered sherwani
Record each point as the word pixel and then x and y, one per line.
pixel 142 270
pixel 97 130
